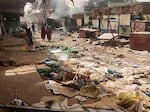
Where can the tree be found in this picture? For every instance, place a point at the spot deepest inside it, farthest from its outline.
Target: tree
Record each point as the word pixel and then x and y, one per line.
pixel 95 4
pixel 45 7
pixel 89 5
pixel 101 4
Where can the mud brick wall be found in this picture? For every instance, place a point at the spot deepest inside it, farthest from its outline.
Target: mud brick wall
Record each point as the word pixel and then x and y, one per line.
pixel 140 41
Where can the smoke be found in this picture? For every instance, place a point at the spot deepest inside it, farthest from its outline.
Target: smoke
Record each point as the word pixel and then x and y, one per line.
pixel 27 12
pixel 28 7
pixel 61 8
pixel 67 8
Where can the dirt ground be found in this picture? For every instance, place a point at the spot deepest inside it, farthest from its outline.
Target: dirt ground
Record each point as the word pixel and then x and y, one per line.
pixel 21 76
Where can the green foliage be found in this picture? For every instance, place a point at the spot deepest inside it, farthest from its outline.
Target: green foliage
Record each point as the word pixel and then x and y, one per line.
pixel 105 3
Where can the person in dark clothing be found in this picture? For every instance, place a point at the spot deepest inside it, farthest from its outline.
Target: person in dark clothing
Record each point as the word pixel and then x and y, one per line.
pixel 43 32
pixel 33 27
pixel 28 37
pixel 48 32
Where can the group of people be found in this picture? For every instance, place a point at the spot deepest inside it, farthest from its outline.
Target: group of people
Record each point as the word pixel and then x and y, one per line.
pixel 46 31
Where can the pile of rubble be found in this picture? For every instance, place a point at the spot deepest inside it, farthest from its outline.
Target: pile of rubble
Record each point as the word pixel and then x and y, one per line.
pixel 96 78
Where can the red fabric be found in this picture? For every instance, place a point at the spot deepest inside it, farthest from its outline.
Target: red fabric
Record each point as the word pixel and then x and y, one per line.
pixel 43 32
pixel 48 32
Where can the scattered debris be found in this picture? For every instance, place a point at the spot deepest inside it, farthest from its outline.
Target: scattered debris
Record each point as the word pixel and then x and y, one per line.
pixel 91 77
pixel 90 91
pixel 108 36
pixel 58 89
pixel 7 62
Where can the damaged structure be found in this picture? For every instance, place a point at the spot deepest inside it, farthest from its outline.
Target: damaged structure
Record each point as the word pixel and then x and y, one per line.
pixel 115 19
pixel 93 66
pixel 123 20
pixel 10 13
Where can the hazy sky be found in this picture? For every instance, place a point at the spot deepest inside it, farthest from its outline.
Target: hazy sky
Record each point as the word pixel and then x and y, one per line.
pixel 143 0
pixel 77 3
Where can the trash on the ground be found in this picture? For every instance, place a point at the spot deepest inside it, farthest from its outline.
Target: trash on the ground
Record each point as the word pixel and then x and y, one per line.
pixel 50 98
pixel 101 74
pixel 44 72
pixel 147 92
pixel 120 56
pixel 53 70
pixel 99 110
pixel 77 84
pixel 107 36
pixel 127 100
pixel 75 107
pixel 7 62
pixel 52 63
pixel 47 102
pixel 18 102
pixel 90 91
pixel 63 57
pixel 58 89
pixel 56 51
pixel 113 73
pixel 136 81
pixel 68 75
pixel 131 87
pixel 81 98
pixel 96 77
pixel 39 105
pixel 137 107
pixel 106 103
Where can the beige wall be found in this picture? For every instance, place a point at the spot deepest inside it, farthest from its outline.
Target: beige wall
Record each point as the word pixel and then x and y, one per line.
pixel 95 23
pixel 147 17
pixel 125 19
pixel 86 19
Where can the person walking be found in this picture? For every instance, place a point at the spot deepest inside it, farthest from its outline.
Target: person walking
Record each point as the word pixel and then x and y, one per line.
pixel 28 37
pixel 43 32
pixel 33 28
pixel 48 32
